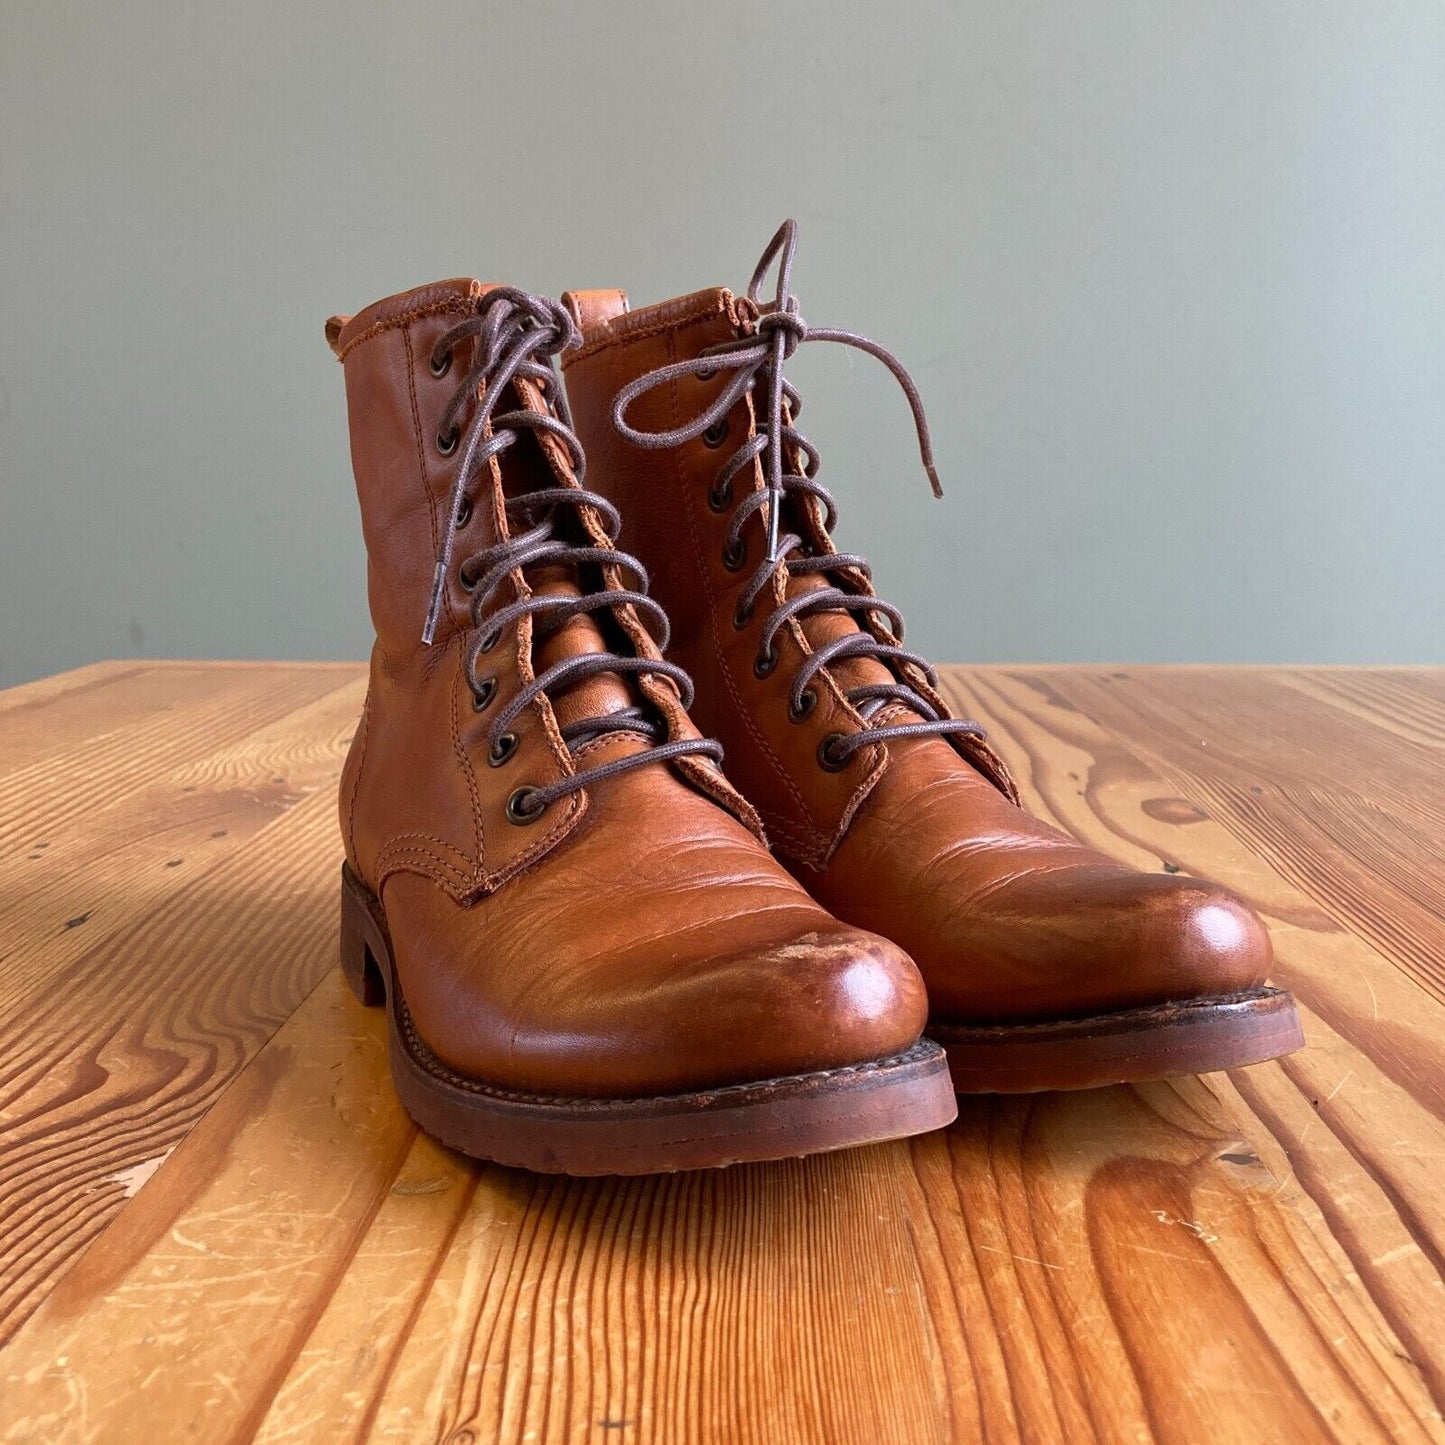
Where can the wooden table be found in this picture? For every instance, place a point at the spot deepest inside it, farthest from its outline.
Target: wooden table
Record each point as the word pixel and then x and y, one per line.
pixel 216 1224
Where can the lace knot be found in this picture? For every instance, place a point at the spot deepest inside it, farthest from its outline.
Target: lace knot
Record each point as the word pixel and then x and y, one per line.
pixel 787 324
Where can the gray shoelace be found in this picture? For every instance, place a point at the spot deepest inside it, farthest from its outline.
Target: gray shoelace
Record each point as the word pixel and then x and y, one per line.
pixel 513 333
pixel 757 364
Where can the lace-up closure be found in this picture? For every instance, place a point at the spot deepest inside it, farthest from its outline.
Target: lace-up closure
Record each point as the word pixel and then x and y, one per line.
pixel 756 362
pixel 513 332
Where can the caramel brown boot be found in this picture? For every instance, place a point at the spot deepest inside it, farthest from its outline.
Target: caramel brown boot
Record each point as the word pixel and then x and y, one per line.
pixel 1048 964
pixel 590 961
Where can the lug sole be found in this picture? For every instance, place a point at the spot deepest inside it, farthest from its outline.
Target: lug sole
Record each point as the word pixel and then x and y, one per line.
pixel 780 1118
pixel 1194 1036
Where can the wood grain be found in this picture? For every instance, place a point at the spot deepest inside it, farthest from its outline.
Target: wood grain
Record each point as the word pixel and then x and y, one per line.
pixel 220 1226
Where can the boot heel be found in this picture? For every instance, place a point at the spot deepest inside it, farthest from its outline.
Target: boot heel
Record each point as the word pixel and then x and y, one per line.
pixel 358 964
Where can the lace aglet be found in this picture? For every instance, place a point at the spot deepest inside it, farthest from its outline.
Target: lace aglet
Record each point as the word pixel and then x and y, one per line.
pixel 439 579
pixel 933 480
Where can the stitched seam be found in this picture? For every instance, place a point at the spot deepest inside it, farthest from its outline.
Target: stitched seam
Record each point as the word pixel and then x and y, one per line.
pixel 479 841
pixel 431 515
pixel 601 741
pixel 404 318
pixel 395 851
pixel 602 343
pixel 797 845
pixel 363 734
pixel 543 845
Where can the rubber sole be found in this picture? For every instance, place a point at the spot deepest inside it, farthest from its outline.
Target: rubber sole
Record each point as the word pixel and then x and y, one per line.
pixel 780 1118
pixel 1194 1036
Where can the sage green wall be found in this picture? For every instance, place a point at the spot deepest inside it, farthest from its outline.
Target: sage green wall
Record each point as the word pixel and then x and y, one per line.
pixel 1171 278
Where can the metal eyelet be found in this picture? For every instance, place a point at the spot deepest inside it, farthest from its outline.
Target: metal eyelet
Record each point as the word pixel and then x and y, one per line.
pixel 442 364
pixel 483 694
pixel 469 584
pixel 706 375
pixel 447 442
pixel 721 498
pixel 734 557
pixel 489 642
pixel 765 662
pixel 502 750
pixel 520 808
pixel 716 434
pixel 464 512
pixel 807 701
pixel 826 759
pixel 742 615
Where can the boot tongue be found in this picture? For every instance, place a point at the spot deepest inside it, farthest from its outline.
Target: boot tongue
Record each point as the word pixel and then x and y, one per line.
pixel 525 469
pixel 600 696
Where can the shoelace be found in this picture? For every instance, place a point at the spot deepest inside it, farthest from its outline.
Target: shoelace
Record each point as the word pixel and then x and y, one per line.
pixel 757 364
pixel 514 332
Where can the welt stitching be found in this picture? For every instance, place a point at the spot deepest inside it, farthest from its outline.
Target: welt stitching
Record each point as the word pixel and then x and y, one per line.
pixel 426 1059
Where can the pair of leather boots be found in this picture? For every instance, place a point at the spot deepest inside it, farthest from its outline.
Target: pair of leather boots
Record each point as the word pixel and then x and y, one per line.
pixel 592 960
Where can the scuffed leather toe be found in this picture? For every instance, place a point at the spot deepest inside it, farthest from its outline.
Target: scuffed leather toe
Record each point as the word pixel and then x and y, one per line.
pixel 745 983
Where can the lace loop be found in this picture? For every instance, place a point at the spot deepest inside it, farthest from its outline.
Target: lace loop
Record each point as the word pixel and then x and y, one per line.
pixel 515 336
pixel 756 362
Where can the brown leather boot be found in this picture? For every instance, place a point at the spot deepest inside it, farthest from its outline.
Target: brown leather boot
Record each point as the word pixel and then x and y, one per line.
pixel 591 963
pixel 1048 964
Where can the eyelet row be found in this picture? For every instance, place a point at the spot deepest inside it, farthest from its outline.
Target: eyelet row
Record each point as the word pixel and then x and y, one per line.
pixel 765 664
pixel 520 809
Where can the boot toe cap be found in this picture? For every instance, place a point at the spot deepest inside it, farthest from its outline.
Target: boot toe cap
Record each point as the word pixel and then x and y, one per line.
pixel 809 1003
pixel 1097 940
pixel 1209 942
pixel 771 992
pixel 824 1000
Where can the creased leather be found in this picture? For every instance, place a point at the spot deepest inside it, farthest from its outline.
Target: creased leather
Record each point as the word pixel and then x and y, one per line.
pixel 918 839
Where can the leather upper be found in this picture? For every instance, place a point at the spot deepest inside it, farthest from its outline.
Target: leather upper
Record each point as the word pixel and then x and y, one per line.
pixel 919 839
pixel 636 939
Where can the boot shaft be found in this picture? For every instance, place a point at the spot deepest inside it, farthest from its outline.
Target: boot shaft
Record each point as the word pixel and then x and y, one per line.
pixel 493 675
pixel 395 400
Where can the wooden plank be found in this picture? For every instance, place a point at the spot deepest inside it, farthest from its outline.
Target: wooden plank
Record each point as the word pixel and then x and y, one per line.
pixel 222 1257
pixel 1248 1257
pixel 1108 1265
pixel 1373 1079
pixel 178 914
